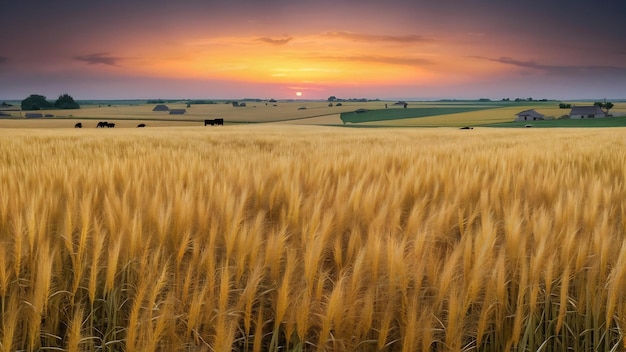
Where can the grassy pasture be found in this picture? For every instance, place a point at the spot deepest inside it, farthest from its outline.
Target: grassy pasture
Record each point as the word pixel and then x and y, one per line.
pixel 576 123
pixel 305 238
pixel 503 116
pixel 399 114
pixel 419 114
pixel 252 113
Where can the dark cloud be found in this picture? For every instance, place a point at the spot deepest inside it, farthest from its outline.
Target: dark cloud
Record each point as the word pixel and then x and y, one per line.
pixel 361 37
pixel 273 41
pixel 559 69
pixel 99 59
pixel 389 60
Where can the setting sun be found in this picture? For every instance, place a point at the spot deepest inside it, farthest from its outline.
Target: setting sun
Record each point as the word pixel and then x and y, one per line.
pixel 299 94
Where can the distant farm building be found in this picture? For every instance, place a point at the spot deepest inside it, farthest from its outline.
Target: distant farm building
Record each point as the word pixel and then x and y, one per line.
pixel 586 112
pixel 177 111
pixel 34 115
pixel 238 104
pixel 529 115
pixel 161 107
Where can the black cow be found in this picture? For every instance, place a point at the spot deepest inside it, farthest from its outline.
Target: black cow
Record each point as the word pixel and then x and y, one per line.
pixel 218 122
pixel 103 124
pixel 466 128
pixel 141 125
pixel 78 125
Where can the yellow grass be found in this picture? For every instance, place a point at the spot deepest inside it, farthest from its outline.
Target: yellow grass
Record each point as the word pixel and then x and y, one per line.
pixel 131 115
pixel 257 238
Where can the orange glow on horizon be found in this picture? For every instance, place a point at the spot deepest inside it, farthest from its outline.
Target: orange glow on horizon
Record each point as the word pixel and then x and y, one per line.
pixel 323 59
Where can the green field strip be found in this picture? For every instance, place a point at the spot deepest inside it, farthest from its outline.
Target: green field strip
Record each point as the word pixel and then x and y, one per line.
pixel 397 114
pixel 565 123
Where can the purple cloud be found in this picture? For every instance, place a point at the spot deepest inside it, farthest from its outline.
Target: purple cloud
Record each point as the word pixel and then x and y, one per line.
pixel 99 59
pixel 361 37
pixel 273 41
pixel 557 69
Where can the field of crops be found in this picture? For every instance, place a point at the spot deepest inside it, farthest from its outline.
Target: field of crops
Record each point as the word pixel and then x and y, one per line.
pixel 377 114
pixel 300 238
pixel 251 113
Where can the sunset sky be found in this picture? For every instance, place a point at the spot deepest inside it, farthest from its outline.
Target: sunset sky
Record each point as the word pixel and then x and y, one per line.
pixel 397 49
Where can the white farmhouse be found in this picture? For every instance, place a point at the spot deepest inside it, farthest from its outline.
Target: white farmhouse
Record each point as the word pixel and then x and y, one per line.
pixel 586 112
pixel 529 115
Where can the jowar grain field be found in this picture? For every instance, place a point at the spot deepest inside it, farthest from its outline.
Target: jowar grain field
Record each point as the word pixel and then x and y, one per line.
pixel 308 238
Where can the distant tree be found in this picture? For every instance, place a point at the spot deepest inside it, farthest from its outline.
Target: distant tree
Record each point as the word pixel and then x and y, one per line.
pixel 604 105
pixel 35 102
pixel 272 100
pixel 484 100
pixel 332 98
pixel 65 101
pixel 565 106
pixel 330 105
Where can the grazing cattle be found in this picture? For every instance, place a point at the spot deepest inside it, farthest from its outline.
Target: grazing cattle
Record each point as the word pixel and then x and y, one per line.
pixel 78 125
pixel 141 125
pixel 102 124
pixel 218 122
pixel 466 128
pixel 110 125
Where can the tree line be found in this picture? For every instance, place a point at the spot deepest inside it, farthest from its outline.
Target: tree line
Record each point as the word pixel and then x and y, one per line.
pixel 39 102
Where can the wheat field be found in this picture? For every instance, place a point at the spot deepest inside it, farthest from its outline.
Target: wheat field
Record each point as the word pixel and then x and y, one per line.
pixel 293 238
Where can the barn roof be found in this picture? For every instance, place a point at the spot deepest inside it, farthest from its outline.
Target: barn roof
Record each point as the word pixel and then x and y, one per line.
pixel 161 107
pixel 177 111
pixel 587 110
pixel 531 113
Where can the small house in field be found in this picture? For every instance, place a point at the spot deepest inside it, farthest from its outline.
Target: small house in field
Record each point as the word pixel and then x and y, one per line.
pixel 161 107
pixel 529 115
pixel 586 112
pixel 177 111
